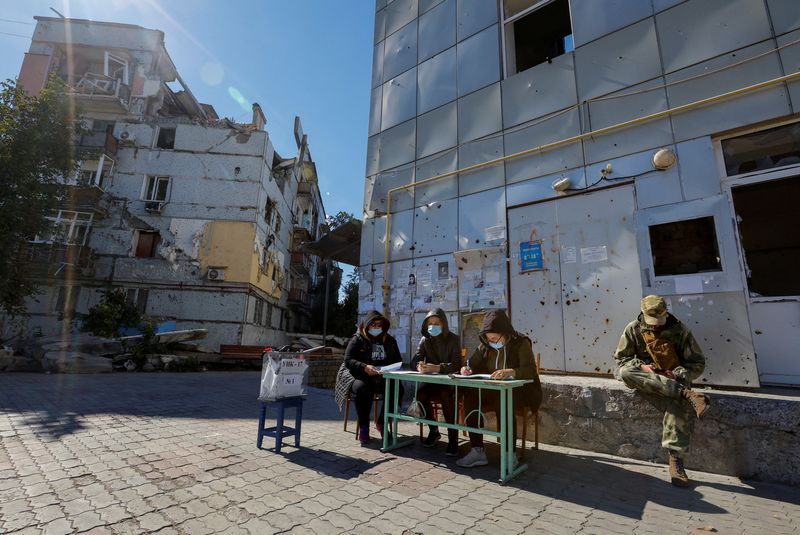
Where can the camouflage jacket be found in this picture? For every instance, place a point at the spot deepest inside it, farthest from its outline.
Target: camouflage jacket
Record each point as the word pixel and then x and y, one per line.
pixel 632 350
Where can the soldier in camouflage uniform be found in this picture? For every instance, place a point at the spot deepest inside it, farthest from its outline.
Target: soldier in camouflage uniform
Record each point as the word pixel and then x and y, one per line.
pixel 658 356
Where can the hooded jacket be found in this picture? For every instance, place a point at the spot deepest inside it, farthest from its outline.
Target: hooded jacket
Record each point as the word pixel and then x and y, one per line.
pixel 632 349
pixel 516 353
pixel 364 350
pixel 444 350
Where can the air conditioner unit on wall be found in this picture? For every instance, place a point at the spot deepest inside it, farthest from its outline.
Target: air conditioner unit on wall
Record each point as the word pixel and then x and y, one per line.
pixel 127 137
pixel 153 206
pixel 215 274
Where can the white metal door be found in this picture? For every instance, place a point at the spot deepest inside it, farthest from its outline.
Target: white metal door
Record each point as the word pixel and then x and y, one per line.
pixel 765 215
pixel 590 287
pixel 536 295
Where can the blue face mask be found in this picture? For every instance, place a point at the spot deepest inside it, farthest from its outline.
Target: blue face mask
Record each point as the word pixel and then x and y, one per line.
pixel 375 332
pixel 496 345
pixel 434 330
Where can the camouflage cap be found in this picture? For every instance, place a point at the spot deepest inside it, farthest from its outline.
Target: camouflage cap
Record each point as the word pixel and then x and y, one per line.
pixel 654 305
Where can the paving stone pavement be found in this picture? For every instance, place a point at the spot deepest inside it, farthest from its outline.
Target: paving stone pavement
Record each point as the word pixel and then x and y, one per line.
pixel 175 453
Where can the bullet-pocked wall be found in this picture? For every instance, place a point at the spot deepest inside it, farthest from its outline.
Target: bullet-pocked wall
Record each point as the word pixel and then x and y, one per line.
pixel 457 83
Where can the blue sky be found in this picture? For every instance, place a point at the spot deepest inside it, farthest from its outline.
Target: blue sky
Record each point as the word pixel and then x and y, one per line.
pixel 310 58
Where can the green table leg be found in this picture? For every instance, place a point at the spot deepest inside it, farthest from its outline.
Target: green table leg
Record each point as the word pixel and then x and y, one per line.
pixel 385 413
pixel 503 437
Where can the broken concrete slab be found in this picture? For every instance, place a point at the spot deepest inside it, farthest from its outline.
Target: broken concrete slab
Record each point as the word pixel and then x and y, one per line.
pixel 84 343
pixel 75 362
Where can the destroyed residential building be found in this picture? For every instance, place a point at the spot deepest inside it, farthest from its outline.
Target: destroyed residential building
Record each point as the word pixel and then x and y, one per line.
pixel 197 218
pixel 589 153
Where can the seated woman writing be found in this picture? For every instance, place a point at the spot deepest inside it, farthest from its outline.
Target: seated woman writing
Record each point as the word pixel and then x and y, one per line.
pixel 439 351
pixel 505 354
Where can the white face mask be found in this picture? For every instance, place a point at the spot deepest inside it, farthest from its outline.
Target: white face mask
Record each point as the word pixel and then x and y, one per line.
pixel 655 320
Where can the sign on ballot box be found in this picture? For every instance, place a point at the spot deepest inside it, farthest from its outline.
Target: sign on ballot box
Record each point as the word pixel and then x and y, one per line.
pixel 283 375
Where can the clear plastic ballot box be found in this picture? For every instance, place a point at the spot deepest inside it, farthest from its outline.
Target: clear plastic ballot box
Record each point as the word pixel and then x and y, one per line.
pixel 283 375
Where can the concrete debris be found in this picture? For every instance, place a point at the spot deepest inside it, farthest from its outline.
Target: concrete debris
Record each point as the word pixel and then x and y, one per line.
pixel 75 362
pixel 171 336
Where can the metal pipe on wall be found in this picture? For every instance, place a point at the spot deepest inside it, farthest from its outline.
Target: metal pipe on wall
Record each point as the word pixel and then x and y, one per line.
pixel 555 144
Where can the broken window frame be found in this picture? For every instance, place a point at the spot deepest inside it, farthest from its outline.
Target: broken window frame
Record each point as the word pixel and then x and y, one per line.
pixel 508 41
pixel 109 69
pixel 74 228
pixel 150 188
pixel 157 140
pixel 717 247
pixel 96 176
pixel 720 154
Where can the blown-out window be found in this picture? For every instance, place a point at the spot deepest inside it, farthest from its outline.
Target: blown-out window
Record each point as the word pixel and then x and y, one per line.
pixel 685 247
pixel 536 31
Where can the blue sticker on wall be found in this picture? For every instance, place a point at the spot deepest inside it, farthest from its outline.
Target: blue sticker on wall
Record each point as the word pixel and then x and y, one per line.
pixel 530 256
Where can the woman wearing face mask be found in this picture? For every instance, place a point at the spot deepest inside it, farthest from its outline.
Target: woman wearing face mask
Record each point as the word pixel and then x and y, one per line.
pixel 505 354
pixel 371 346
pixel 439 351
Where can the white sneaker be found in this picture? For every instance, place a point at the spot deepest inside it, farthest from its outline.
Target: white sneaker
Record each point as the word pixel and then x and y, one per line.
pixel 475 457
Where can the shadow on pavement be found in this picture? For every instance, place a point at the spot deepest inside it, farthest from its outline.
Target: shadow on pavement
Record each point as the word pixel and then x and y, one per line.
pixel 330 463
pixel 55 405
pixel 594 482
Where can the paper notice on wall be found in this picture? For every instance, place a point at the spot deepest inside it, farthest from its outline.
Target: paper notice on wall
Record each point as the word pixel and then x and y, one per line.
pixel 451 295
pixel 404 321
pixel 569 255
pixel 401 342
pixel 424 275
pixel 495 233
pixel 472 275
pixel 590 255
pixel 492 276
pixel 689 285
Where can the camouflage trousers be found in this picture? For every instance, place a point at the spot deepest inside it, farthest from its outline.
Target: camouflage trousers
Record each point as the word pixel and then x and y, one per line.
pixel 665 395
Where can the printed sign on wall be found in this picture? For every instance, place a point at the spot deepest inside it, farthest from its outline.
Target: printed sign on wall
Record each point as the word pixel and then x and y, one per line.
pixel 530 256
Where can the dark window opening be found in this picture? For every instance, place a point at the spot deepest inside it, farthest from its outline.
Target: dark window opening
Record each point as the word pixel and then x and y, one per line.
pixel 539 36
pixel 684 247
pixel 269 207
pixel 99 125
pixel 166 138
pixel 259 311
pixel 157 188
pixel 138 297
pixel 766 213
pixel 147 244
pixel 763 150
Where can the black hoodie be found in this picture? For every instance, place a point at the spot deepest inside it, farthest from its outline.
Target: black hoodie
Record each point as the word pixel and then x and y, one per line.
pixel 364 349
pixel 444 350
pixel 517 353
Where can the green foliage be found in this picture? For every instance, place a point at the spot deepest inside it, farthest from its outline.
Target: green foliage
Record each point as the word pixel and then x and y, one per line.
pixel 112 313
pixel 341 217
pixel 36 151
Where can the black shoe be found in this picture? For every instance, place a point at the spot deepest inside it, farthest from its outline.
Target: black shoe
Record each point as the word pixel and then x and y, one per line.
pixel 452 449
pixel 432 438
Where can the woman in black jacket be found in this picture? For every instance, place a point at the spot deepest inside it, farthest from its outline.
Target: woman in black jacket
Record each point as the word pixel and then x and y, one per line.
pixel 439 351
pixel 505 354
pixel 370 347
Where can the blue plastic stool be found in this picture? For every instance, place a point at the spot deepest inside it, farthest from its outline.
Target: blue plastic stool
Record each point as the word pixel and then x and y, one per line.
pixel 279 431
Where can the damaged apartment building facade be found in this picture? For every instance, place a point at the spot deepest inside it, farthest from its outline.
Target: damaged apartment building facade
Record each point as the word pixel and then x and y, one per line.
pixel 196 218
pixel 563 158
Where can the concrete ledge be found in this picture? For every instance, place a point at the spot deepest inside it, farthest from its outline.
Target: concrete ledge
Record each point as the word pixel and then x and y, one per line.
pixel 746 434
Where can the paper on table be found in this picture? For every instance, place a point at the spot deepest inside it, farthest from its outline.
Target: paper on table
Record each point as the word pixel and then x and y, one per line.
pixel 472 376
pixel 390 367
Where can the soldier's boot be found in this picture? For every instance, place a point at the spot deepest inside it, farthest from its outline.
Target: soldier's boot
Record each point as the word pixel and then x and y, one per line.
pixel 700 402
pixel 676 472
